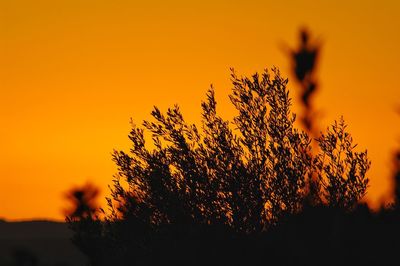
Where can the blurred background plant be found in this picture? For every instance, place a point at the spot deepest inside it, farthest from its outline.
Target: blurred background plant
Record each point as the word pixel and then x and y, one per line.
pixel 83 202
pixel 304 61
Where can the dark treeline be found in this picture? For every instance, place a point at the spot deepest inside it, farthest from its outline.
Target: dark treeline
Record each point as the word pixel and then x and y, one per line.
pixel 316 236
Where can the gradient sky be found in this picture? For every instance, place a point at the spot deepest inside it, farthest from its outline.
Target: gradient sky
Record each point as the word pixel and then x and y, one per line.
pixel 73 72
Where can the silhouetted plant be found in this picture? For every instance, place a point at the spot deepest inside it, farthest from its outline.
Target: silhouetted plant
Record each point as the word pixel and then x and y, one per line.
pixel 83 202
pixel 83 219
pixel 245 178
pixel 304 61
pixel 341 170
pixel 224 182
pixel 276 154
pixel 396 178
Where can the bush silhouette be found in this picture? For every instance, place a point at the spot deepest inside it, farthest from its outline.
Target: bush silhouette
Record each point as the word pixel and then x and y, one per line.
pixel 209 195
pixel 341 170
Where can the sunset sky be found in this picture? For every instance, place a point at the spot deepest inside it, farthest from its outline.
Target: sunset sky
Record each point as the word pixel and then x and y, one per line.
pixel 73 73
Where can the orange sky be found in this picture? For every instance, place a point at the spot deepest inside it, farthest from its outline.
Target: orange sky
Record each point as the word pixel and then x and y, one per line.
pixel 73 72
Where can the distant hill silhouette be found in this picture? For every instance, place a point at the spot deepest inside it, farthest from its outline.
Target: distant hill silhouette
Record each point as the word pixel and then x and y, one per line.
pixel 38 243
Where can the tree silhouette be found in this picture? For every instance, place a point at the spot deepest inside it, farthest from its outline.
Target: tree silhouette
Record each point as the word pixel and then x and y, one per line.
pixel 208 191
pixel 83 201
pixel 304 61
pixel 83 219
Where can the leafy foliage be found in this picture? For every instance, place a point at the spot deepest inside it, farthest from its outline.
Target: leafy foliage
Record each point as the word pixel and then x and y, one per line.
pixel 246 177
pixel 226 179
pixel 341 170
